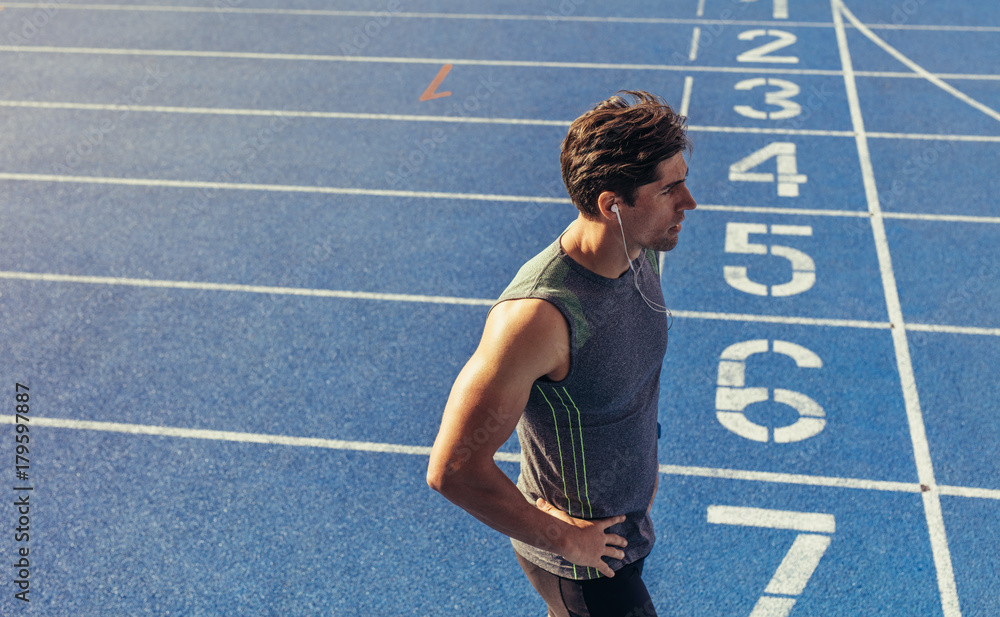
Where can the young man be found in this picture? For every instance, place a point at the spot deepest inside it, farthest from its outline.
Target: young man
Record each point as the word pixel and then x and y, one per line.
pixel 570 357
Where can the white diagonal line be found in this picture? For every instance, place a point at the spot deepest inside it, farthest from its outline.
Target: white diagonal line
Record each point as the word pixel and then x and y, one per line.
pixel 916 68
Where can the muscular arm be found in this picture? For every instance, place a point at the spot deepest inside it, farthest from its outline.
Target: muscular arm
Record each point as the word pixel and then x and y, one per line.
pixel 522 341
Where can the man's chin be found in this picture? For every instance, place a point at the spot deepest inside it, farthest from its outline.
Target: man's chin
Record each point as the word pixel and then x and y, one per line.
pixel 667 244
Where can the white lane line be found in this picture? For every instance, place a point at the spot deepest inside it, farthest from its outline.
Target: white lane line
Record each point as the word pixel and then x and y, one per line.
pixel 918 433
pixel 258 289
pixel 281 188
pixel 929 137
pixel 260 438
pixel 786 478
pixel 949 218
pixel 388 297
pixel 941 28
pixel 220 10
pixel 686 97
pixel 826 133
pixel 695 35
pixel 916 68
pixel 337 115
pixel 549 17
pixel 936 329
pixel 955 76
pixel 180 53
pixel 271 113
pixel 791 211
pixel 906 216
pixel 769 131
pixel 779 319
pixel 509 457
pixel 966 491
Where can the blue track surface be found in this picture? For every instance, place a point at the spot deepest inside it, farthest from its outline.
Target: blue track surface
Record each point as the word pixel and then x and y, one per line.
pixel 232 224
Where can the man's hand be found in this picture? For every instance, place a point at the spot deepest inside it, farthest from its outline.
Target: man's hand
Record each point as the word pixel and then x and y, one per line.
pixel 592 542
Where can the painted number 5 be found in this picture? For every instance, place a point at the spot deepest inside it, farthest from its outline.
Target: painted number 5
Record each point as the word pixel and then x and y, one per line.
pixel 803 267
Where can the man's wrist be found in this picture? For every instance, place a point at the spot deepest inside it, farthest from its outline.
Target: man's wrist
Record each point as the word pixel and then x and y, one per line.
pixel 554 536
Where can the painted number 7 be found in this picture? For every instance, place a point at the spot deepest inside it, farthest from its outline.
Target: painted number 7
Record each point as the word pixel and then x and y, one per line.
pixel 799 563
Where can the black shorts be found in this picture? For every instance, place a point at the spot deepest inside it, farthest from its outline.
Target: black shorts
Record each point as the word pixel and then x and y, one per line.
pixel 623 595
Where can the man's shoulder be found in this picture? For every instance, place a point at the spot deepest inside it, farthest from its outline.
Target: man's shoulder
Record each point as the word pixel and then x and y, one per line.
pixel 530 334
pixel 525 316
pixel 533 273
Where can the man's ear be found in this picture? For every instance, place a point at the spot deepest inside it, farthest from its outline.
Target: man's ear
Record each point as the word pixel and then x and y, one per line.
pixel 608 200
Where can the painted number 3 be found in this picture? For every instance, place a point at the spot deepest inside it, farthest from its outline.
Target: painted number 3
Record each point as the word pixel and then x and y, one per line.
pixel 780 98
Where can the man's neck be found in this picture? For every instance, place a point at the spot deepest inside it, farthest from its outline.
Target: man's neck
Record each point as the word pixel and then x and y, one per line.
pixel 598 247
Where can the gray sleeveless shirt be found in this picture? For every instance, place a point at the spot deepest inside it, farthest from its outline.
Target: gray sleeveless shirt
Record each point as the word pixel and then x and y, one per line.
pixel 588 442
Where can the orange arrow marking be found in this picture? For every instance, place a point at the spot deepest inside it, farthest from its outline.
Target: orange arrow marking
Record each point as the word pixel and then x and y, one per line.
pixel 431 93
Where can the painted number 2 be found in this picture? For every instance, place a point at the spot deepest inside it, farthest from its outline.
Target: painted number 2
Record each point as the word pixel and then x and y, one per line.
pixel 763 53
pixel 790 580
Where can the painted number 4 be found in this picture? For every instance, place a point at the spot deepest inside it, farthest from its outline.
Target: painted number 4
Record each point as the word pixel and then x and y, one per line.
pixel 783 152
pixel 799 563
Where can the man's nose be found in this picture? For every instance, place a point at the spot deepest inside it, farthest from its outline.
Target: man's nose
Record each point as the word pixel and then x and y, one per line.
pixel 688 203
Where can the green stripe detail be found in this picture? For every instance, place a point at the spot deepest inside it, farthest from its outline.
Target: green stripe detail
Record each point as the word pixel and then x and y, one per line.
pixel 583 459
pixel 585 494
pixel 576 468
pixel 562 472
pixel 651 256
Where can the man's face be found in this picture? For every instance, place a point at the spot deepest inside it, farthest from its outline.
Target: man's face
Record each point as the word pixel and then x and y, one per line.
pixel 658 209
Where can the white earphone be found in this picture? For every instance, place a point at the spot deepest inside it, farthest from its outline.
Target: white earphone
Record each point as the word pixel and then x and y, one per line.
pixel 635 273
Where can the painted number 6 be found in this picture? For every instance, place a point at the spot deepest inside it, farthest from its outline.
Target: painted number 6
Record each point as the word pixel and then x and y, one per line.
pixel 732 396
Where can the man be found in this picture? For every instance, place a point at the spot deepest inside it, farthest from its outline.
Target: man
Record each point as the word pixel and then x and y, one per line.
pixel 570 356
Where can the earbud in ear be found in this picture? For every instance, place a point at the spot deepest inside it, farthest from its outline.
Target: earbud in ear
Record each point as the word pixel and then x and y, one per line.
pixel 614 208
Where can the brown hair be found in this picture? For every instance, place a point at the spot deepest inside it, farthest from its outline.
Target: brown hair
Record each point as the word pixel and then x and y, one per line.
pixel 617 147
